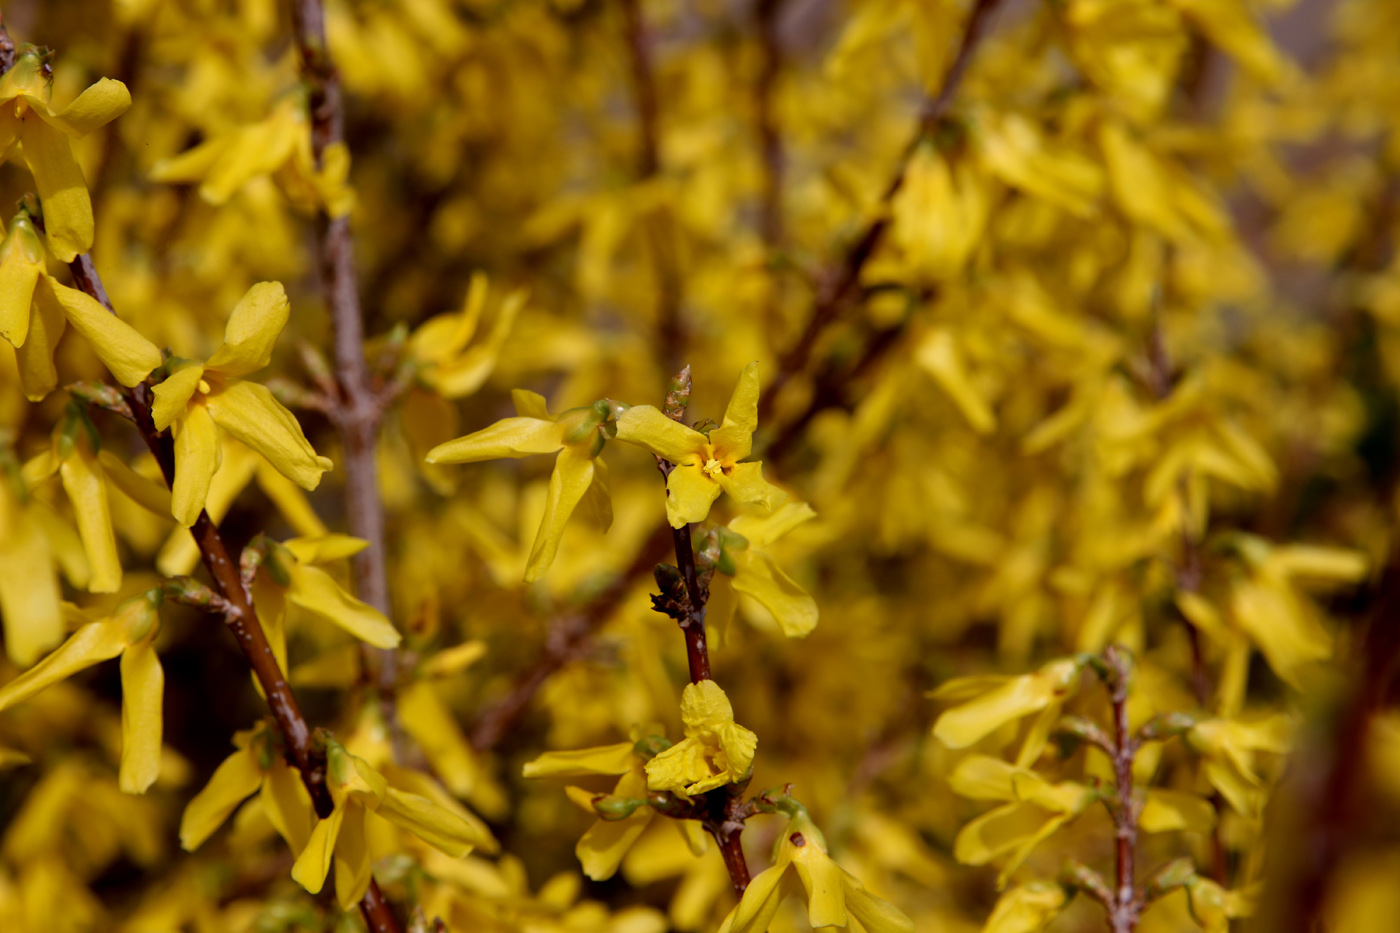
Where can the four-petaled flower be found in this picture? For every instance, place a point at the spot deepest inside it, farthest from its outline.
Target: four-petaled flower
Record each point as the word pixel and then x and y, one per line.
pixel 715 751
pixel 577 434
pixel 26 118
pixel 198 396
pixel 130 632
pixel 705 464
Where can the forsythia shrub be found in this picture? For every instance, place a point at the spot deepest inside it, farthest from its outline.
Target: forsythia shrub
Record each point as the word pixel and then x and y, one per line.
pixel 1002 399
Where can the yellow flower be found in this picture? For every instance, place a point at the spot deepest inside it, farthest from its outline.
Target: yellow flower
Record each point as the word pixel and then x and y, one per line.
pixel 289 576
pixel 602 847
pixel 1230 748
pixel 706 464
pixel 440 345
pixel 577 434
pixel 257 767
pixel 1036 809
pixel 992 702
pixel 359 790
pixel 35 308
pixel 30 599
pixel 197 396
pixel 1026 908
pixel 834 895
pixel 129 631
pixel 279 146
pixel 715 751
pixel 26 118
pixel 745 570
pixel 1213 907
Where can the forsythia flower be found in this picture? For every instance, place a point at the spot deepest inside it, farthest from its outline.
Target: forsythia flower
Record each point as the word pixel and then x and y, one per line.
pixel 834 895
pixel 1026 908
pixel 577 434
pixel 129 631
pixel 30 599
pixel 602 847
pixel 1036 809
pixel 1230 748
pixel 705 464
pixel 992 702
pixel 26 118
pixel 35 308
pixel 279 146
pixel 439 345
pixel 744 569
pixel 715 751
pixel 257 767
pixel 197 396
pixel 359 790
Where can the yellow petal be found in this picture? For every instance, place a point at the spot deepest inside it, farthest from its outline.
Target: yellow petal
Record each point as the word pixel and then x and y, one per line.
pixel 314 862
pixel 607 759
pixel 129 356
pixel 147 493
pixel 288 805
pixel 83 482
pixel 689 494
pixel 745 483
pixel 20 266
pixel 826 900
pixel 756 909
pixel 792 607
pixel 1167 810
pixel 352 870
pixel 252 330
pixel 963 725
pixel 173 394
pixel 196 459
pixel 530 404
pixel 250 413
pixel 705 707
pixel 62 190
pixel 143 688
pixel 431 724
pixel 316 591
pixel 35 359
pixel 982 777
pixel 89 645
pixel 99 105
pixel 253 150
pixel 572 476
pixel 324 548
pixel 435 825
pixel 763 530
pixel 237 778
pixel 190 165
pixel 601 848
pixel 1026 909
pixel 510 437
pixel 733 439
pixel 875 914
pixel 646 426
pixel 29 594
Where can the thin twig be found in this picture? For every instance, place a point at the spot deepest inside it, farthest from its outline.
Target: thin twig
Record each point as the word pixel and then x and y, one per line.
pixel 358 412
pixel 1126 905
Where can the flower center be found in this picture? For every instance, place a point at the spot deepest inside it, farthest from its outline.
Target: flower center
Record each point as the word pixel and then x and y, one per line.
pixel 713 467
pixel 204 387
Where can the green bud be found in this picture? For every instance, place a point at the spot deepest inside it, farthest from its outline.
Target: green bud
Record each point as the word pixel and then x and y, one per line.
pixel 611 809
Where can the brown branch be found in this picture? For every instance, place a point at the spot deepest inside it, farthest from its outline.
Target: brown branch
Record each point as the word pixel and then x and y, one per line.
pixel 233 603
pixel 836 286
pixel 357 412
pixel 1125 905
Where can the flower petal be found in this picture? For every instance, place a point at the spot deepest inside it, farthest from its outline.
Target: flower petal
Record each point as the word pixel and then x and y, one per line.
pixel 237 778
pixel 316 591
pixel 145 492
pixel 606 759
pixel 83 481
pixel 648 427
pixel 173 394
pixel 143 689
pixel 601 848
pixel 315 860
pixel 437 826
pixel 89 645
pixel 252 330
pixel 250 413
pixel 735 435
pixel 760 579
pixel 37 374
pixel 689 494
pixel 756 909
pixel 509 437
pixel 121 348
pixel 288 805
pixel 826 897
pixel 19 272
pixel 745 483
pixel 29 593
pixel 196 459
pixel 573 474
pixel 352 871
pixel 875 914
pixel 99 105
pixel 63 192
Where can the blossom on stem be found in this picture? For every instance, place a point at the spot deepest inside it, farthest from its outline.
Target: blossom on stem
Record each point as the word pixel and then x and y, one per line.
pixel 991 702
pixel 257 767
pixel 35 308
pixel 197 396
pixel 27 119
pixel 129 632
pixel 439 345
pixel 835 897
pixel 577 434
pixel 705 464
pixel 715 751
